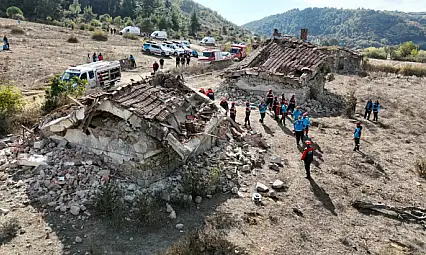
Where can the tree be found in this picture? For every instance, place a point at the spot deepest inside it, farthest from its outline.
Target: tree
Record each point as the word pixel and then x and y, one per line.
pixel 167 4
pixel 146 24
pixel 195 25
pixel 163 23
pixel 105 18
pixel 175 21
pixel 128 21
pixel 118 21
pixel 406 49
pixel 224 30
pixel 128 8
pixel 75 9
pixel 148 7
pixel 88 14
pixel 14 12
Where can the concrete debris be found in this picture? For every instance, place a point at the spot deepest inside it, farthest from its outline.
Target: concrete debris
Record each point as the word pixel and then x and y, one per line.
pixel 78 239
pixel 272 194
pixel 274 167
pixel 3 145
pixel 179 226
pixel 277 184
pixel 4 211
pixel 75 210
pixel 261 187
pixel 275 159
pixel 198 200
pixel 31 160
pixel 169 208
pixel 172 215
pixel 246 168
pixel 39 144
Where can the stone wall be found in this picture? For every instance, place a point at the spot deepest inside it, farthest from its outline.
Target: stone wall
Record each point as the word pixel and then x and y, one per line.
pixel 344 62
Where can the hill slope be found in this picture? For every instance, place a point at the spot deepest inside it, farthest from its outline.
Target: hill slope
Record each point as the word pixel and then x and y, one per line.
pixel 357 28
pixel 172 15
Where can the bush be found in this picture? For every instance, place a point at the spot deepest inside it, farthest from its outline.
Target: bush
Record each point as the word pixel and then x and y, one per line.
pixel 57 23
pixel 17 31
pixel 8 228
pixel 350 104
pixel 377 53
pixel 420 167
pixel 99 35
pixel 14 12
pixel 91 28
pixel 108 201
pixel 82 26
pixel 148 211
pixel 95 23
pixel 131 36
pixel 406 70
pixel 11 103
pixel 72 39
pixel 57 95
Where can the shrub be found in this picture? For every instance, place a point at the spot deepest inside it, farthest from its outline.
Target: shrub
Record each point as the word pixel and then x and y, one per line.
pixel 8 228
pixel 108 201
pixel 72 39
pixel 99 35
pixel 95 23
pixel 377 53
pixel 148 211
pixel 91 28
pixel 131 36
pixel 81 26
pixel 350 104
pixel 11 103
pixel 14 12
pixel 17 31
pixel 57 23
pixel 420 167
pixel 57 94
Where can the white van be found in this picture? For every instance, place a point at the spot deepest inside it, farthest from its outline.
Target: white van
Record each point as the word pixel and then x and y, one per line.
pixel 130 30
pixel 101 73
pixel 208 41
pixel 160 35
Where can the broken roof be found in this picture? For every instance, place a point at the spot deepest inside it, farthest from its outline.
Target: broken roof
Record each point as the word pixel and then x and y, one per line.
pixel 285 56
pixel 145 98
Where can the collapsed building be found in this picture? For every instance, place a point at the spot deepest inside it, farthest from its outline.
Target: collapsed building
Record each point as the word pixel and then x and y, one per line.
pixel 153 126
pixel 291 66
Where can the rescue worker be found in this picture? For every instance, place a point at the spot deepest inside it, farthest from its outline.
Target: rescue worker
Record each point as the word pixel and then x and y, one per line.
pixel 100 57
pixel 368 109
pixel 233 111
pixel 248 111
pixel 292 104
pixel 299 128
pixel 357 135
pixel 277 111
pixel 262 111
pixel 283 112
pixel 161 63
pixel 95 57
pixel 155 67
pixel 307 122
pixel 89 59
pixel 283 101
pixel 210 94
pixel 297 113
pixel 182 60
pixel 132 59
pixel 376 108
pixel 270 99
pixel 308 157
pixel 224 105
pixel 177 61
pixel 274 104
pixel 188 59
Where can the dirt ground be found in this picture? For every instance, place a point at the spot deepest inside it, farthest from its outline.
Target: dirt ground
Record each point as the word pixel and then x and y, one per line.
pixel 309 217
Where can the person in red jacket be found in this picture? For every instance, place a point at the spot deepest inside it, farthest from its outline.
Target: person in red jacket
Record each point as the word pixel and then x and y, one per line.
pixel 277 110
pixel 210 94
pixel 202 91
pixel 308 157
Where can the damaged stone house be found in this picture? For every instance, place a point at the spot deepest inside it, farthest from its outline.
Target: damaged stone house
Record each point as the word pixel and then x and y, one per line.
pixel 151 126
pixel 290 66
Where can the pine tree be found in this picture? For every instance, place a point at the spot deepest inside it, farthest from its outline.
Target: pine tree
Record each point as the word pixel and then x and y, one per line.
pixel 195 25
pixel 175 21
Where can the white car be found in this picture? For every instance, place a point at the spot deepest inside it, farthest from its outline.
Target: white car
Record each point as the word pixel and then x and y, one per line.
pixel 174 49
pixel 158 49
pixel 186 44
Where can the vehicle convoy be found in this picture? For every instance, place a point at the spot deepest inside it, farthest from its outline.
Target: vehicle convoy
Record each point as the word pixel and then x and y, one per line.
pixel 160 35
pixel 174 48
pixel 130 30
pixel 98 74
pixel 158 49
pixel 211 55
pixel 238 51
pixel 209 41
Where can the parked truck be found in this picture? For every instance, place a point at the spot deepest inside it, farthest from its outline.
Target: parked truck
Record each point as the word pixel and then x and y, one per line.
pixel 211 55
pixel 238 51
pixel 98 74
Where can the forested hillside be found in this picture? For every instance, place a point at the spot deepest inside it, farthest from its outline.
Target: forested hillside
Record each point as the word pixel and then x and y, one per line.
pixel 356 28
pixel 179 17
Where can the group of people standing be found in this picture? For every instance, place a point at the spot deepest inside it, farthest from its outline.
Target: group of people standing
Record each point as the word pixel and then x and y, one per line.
pixel 372 107
pixel 183 60
pixel 94 57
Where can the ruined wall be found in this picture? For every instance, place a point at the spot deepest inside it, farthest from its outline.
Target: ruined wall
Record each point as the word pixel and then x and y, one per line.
pixel 344 62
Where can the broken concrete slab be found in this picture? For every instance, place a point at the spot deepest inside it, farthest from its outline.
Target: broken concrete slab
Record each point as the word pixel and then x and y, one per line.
pixel 275 159
pixel 278 184
pixel 32 160
pixel 261 187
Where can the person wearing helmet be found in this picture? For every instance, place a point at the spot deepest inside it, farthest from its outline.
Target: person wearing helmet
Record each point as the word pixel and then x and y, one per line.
pixel 307 122
pixel 292 104
pixel 224 105
pixel 299 128
pixel 357 135
pixel 262 111
pixel 283 112
pixel 376 108
pixel 308 157
pixel 233 112
pixel 297 113
pixel 248 111
pixel 270 99
pixel 368 109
